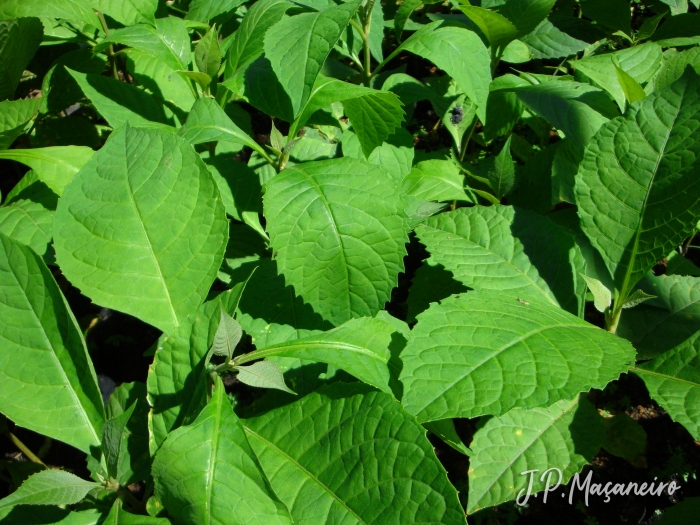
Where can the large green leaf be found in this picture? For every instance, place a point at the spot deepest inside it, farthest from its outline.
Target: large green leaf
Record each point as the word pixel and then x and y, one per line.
pixel 361 347
pixel 673 381
pixel 27 215
pixel 70 9
pixel 665 321
pixel 567 434
pixel 484 353
pixel 435 180
pixel 207 472
pixel 497 29
pixel 159 264
pixel 206 10
pixel 14 116
pixel 167 41
pixel 320 456
pixel 247 45
pixel 526 15
pixel 374 114
pixel 129 12
pixel 508 249
pixel 577 109
pixel 54 166
pixel 175 379
pixel 679 30
pixel 672 69
pixel 630 170
pixel 561 36
pixel 50 487
pixel 297 47
pixel 40 333
pixel 119 102
pixel 460 53
pixel 340 251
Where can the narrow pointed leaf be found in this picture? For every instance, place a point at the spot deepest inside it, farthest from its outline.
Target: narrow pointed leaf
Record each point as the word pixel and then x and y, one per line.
pixel 172 235
pixel 508 249
pixel 339 250
pixel 482 353
pixel 207 54
pixel 305 449
pixel 263 374
pixel 630 169
pixel 637 297
pixel 207 472
pixel 113 434
pixel 502 174
pixel 227 336
pixel 40 332
pixel 50 487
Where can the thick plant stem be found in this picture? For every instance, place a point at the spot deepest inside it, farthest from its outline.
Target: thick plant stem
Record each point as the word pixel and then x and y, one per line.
pixel 25 450
pixel 112 55
pixel 612 319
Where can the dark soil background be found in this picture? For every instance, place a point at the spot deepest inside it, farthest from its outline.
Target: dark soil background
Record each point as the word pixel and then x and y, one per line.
pixel 117 344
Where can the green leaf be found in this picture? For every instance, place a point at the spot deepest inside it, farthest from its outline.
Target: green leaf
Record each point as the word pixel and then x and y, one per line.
pixel 247 44
pixel 263 374
pixel 631 88
pixel 14 116
pixel 176 377
pixel 54 166
pixel 134 455
pixel 298 46
pixel 167 41
pixel 494 339
pixel 41 334
pixel 119 102
pixel 172 235
pixel 207 472
pixel 665 322
pixel 245 245
pixel 59 88
pixel 503 109
pixel 526 15
pixel 673 381
pixel 206 10
pixel 435 180
pixel 460 53
pixel 339 251
pixel 113 437
pixel 622 194
pixel 404 12
pixel 227 337
pixel 50 487
pixel 602 297
pixel 614 14
pixel 503 248
pixel 534 181
pixel 304 448
pixel 497 29
pixel 677 6
pixel 129 12
pixel 516 53
pixel 624 437
pixel 579 110
pixel 560 36
pixel 27 215
pixel 673 69
pixel 68 9
pixel 207 122
pixel 117 516
pixel 679 30
pixel 501 175
pixel 395 155
pixel 677 264
pixel 361 347
pixel 635 298
pixel 445 430
pixel 207 54
pixel 568 434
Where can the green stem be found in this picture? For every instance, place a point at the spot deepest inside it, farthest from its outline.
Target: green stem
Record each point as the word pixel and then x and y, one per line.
pixel 613 318
pixel 112 56
pixel 466 142
pixel 367 75
pixel 25 450
pixel 687 244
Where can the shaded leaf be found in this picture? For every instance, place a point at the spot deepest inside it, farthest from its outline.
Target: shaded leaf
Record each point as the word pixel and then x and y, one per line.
pixel 263 374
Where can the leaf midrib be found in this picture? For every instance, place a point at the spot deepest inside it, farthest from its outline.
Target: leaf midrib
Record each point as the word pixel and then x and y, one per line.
pixel 638 370
pixel 300 345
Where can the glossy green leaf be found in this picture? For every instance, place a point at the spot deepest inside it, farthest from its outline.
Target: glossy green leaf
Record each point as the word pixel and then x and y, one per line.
pixel 679 30
pixel 172 235
pixel 622 193
pixel 435 180
pixel 167 41
pixel 497 29
pixel 673 381
pixel 483 353
pixel 263 374
pixel 503 109
pixel 207 54
pixel 508 249
pixel 14 116
pixel 361 347
pixel 568 434
pixel 40 333
pixel 526 15
pixel 54 166
pixel 70 9
pixel 247 44
pixel 630 87
pixel 305 448
pixel 176 377
pixel 50 487
pixel 129 12
pixel 207 472
pixel 297 47
pixel 206 10
pixel 339 251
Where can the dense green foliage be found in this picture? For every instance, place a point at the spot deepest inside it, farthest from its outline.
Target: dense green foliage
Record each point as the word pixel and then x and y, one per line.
pixel 251 178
